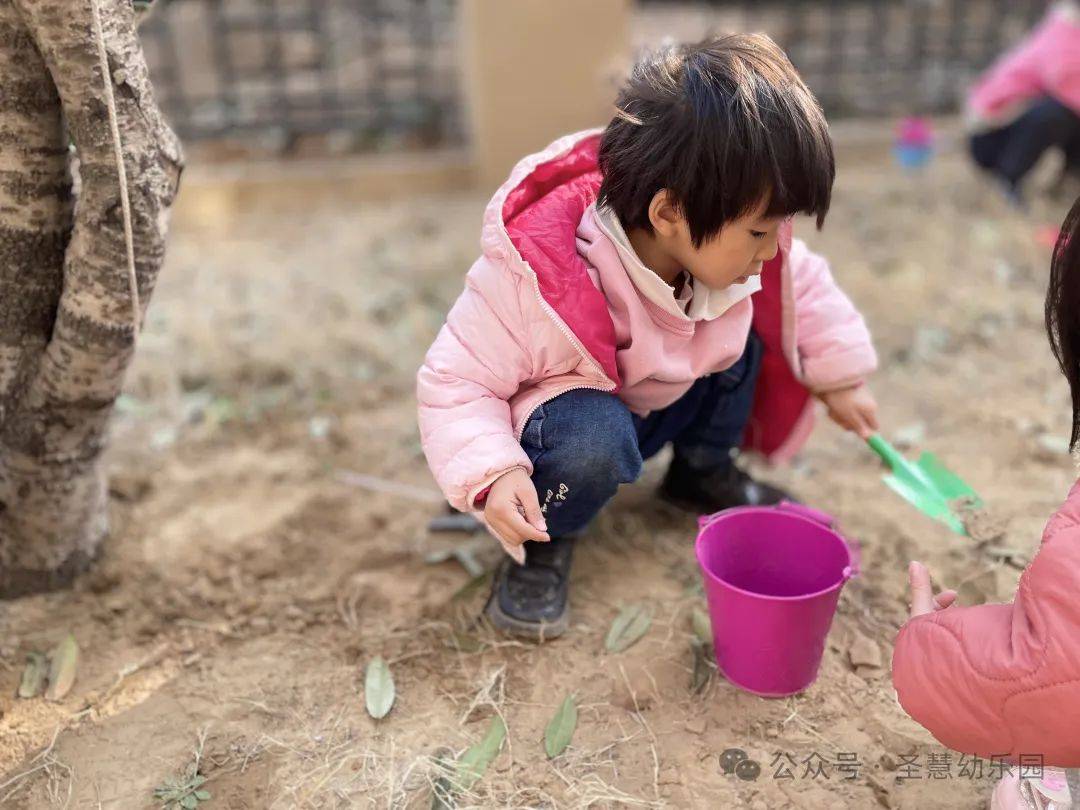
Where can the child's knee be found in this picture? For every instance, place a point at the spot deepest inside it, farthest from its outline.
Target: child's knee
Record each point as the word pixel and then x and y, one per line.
pixel 613 456
pixel 589 440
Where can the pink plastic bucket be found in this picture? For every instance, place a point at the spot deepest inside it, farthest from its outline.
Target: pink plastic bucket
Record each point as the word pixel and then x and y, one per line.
pixel 773 576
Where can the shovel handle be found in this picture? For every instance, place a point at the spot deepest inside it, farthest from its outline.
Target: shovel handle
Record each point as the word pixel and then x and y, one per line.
pixel 889 454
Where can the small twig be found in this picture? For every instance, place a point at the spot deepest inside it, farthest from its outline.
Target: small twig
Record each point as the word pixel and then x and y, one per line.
pixel 373 483
pixel 260 706
pixel 44 763
pixel 407 656
pixel 130 669
pixel 485 695
pixel 813 731
pixel 121 172
pixel 390 780
pixel 630 689
pixel 197 625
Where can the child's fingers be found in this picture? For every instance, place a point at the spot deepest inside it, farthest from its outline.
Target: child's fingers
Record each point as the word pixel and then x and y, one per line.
pixel 922 592
pixel 863 426
pixel 854 421
pixel 944 599
pixel 841 419
pixel 500 530
pixel 521 528
pixel 515 550
pixel 870 415
pixel 502 523
pixel 531 504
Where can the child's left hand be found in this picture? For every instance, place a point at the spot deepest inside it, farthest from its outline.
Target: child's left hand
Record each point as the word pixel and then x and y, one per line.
pixel 923 600
pixel 853 409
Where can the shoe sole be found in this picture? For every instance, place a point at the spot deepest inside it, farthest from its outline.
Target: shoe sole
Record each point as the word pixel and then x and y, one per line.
pixel 534 631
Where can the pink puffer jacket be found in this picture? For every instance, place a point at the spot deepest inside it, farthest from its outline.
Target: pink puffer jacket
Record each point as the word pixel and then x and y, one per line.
pixel 1004 680
pixel 532 325
pixel 1046 63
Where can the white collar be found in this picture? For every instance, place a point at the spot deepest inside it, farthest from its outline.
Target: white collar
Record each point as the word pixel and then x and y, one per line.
pixel 696 302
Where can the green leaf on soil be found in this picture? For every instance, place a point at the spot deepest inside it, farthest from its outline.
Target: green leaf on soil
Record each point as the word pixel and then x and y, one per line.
pixel 702 626
pixel 442 789
pixel 470 587
pixel 628 628
pixel 221 410
pixel 442 795
pixel 475 761
pixel 189 802
pixel 702 669
pixel 468 561
pixel 63 661
pixel 202 795
pixel 378 688
pixel 560 730
pixel 34 676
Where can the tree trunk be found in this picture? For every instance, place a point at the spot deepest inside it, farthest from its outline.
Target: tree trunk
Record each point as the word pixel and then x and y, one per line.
pixel 66 325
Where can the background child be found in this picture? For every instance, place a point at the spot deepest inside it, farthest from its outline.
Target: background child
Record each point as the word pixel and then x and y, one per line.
pixel 1029 101
pixel 1004 680
pixel 640 287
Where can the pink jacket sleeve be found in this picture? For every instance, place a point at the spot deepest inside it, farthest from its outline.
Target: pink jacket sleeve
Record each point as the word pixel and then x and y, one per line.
pixel 475 365
pixel 1003 679
pixel 832 340
pixel 1046 62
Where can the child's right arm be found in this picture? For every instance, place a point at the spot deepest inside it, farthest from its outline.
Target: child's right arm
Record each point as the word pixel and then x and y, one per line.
pixel 477 363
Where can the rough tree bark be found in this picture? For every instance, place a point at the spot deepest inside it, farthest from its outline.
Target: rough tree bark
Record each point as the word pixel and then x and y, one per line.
pixel 66 325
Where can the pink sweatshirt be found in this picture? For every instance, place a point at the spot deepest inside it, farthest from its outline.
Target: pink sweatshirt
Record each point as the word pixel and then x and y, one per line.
pixel 1046 63
pixel 545 312
pixel 1004 680
pixel 659 356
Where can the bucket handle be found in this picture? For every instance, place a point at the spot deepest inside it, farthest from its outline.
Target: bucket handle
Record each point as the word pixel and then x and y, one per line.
pixel 816 515
pixel 827 520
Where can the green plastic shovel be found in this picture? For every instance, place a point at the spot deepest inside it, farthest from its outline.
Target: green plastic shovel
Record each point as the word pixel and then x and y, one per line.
pixel 926 484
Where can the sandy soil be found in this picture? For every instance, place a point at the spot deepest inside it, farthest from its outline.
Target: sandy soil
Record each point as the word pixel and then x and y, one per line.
pixel 249 579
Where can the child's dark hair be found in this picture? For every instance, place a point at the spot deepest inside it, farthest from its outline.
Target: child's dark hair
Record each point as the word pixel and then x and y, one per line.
pixel 724 125
pixel 1063 310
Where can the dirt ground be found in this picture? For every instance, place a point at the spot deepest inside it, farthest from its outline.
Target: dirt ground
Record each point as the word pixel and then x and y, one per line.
pixel 250 577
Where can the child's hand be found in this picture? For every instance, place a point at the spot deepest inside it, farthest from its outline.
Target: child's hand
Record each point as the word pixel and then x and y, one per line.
pixel 922 592
pixel 512 509
pixel 853 409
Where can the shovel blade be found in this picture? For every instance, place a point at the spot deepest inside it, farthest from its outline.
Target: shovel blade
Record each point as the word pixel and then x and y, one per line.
pixel 947 483
pixel 926 500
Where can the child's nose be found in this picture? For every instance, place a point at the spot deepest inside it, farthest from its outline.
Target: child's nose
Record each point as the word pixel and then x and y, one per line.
pixel 768 250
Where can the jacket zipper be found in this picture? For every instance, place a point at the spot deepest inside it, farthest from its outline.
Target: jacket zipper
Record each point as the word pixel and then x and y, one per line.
pixel 546 400
pixel 570 336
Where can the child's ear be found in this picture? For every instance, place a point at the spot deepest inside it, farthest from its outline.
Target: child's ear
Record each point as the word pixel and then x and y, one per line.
pixel 664 214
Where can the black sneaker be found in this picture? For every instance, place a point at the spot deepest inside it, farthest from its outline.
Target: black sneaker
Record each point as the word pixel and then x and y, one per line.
pixel 710 492
pixel 531 600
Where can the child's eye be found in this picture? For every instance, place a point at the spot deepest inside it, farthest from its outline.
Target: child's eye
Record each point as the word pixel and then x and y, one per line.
pixel 759 234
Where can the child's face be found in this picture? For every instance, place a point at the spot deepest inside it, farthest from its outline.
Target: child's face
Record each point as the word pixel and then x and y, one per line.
pixel 730 257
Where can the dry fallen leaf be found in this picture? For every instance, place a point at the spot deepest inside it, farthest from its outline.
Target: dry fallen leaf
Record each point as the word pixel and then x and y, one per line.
pixel 628 628
pixel 34 676
pixel 63 663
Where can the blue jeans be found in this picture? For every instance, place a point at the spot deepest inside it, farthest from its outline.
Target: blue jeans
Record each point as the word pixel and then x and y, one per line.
pixel 585 443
